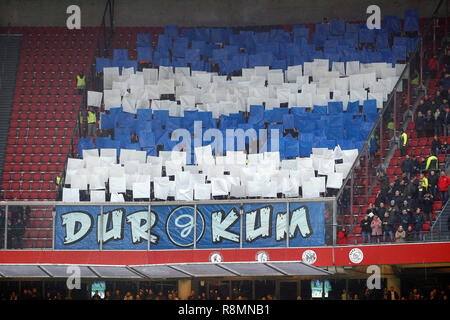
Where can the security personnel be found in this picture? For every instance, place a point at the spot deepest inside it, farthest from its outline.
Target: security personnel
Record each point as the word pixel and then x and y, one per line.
pixel 403 143
pixel 92 123
pixel 81 81
pixel 59 182
pixel 423 185
pixel 432 163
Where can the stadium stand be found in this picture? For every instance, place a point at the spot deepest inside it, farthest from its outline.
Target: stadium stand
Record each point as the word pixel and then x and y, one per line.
pixel 43 118
pixel 267 64
pixel 280 55
pixel 406 176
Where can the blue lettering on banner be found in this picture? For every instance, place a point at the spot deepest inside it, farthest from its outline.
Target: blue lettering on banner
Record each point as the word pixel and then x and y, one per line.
pixel 174 227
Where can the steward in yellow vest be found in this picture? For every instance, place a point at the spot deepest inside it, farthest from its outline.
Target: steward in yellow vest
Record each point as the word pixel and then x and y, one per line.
pixel 81 81
pixel 91 118
pixel 432 163
pixel 403 142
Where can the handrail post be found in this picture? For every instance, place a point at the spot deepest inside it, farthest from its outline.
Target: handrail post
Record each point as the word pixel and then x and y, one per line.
pixel 395 113
pixel 101 228
pixel 149 234
pixel 241 210
pixel 351 195
pixel 409 87
pixel 367 174
pixel 288 214
pixel 334 222
pixel 53 227
pixel 195 226
pixel 6 227
pixel 421 63
pixel 381 135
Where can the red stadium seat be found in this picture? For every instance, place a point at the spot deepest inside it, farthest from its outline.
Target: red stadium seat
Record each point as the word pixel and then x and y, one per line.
pixel 357 230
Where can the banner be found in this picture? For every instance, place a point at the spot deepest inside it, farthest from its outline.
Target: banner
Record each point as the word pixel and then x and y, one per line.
pixel 175 227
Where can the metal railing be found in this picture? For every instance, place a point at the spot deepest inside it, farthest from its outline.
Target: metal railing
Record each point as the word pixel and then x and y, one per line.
pixel 8 209
pixel 437 228
pixel 368 164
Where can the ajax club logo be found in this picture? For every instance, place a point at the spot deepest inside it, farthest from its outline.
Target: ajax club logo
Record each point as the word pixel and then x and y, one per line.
pixel 262 256
pixel 309 257
pixel 180 226
pixel 356 255
pixel 215 257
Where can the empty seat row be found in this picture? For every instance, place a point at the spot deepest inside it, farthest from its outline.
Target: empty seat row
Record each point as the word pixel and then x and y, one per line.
pixel 43 167
pixel 29 195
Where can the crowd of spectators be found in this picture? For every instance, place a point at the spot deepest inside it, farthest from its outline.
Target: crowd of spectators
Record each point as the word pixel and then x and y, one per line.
pixel 16 224
pixel 440 294
pixel 392 294
pixel 404 206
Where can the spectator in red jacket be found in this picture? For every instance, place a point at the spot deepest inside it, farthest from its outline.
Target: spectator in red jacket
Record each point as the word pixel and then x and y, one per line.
pixel 342 236
pixel 443 184
pixel 433 66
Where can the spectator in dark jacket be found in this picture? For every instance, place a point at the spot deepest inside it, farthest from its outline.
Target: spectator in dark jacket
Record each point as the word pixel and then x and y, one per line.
pixel 410 234
pixel 443 105
pixel 405 206
pixel 436 146
pixel 429 123
pixel 381 197
pixel 420 124
pixel 388 227
pixel 404 219
pixel 411 201
pixel 427 205
pixel 370 209
pixel 393 209
pixel 445 117
pixel 437 122
pixel 438 98
pixel 366 230
pixel 393 295
pixel 421 108
pixel 398 198
pixel 380 210
pixel 407 166
pixel 418 221
pixel 16 212
pixel 426 104
pixel 411 189
pixel 433 180
pixel 18 233
pixel 421 165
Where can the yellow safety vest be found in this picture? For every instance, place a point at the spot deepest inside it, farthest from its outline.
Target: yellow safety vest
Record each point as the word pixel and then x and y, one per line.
pixel 431 158
pixel 404 138
pixel 81 81
pixel 91 117
pixel 415 81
